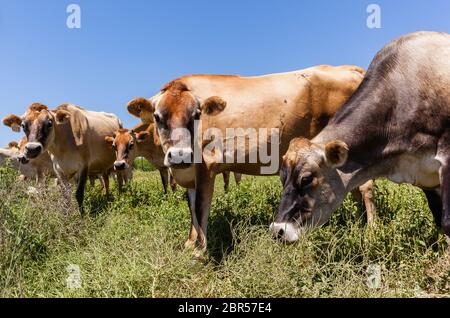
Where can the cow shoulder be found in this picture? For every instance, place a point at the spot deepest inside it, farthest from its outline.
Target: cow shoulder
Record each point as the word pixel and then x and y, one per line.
pixel 78 121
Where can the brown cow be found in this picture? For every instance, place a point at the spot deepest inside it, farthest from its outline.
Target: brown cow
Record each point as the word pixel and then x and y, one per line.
pixel 42 165
pixel 287 105
pixel 130 144
pixel 75 138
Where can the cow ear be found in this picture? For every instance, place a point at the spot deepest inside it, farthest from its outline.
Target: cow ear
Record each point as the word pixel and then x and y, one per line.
pixel 138 105
pixel 62 117
pixel 213 106
pixel 13 144
pixel 38 107
pixel 13 122
pixel 142 136
pixel 336 153
pixel 109 140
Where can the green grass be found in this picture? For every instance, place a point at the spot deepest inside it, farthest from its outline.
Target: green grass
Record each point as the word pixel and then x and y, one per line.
pixel 132 245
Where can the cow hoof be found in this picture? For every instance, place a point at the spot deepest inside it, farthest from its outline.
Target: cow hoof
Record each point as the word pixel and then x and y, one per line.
pixel 200 253
pixel 190 245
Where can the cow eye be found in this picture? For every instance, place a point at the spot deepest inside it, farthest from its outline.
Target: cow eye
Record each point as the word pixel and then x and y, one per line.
pixel 25 128
pixel 114 147
pixel 157 118
pixel 131 145
pixel 50 124
pixel 307 180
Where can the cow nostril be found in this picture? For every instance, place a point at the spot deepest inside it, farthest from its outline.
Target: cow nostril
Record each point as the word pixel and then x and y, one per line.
pixel 280 234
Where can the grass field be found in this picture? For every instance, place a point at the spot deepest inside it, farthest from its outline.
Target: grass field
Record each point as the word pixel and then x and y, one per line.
pixel 132 245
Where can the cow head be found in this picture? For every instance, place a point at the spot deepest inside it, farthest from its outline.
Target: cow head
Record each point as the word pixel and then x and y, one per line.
pixel 312 187
pixel 38 125
pixel 21 148
pixel 175 110
pixel 124 142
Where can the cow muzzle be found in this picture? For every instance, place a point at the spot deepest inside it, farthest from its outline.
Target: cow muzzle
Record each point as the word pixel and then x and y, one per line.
pixel 33 150
pixel 285 232
pixel 179 157
pixel 23 160
pixel 120 165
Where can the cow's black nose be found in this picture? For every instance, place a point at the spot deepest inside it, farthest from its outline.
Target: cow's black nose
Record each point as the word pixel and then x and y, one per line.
pixel 120 165
pixel 32 150
pixel 23 160
pixel 180 156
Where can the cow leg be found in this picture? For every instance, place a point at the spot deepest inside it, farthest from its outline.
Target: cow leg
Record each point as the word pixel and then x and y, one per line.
pixel 173 183
pixel 367 195
pixel 443 155
pixel 445 186
pixel 40 177
pixel 204 186
pixel 92 181
pixel 226 180
pixel 364 195
pixel 435 204
pixel 82 179
pixel 66 190
pixel 121 179
pixel 193 234
pixel 237 178
pixel 105 178
pixel 163 172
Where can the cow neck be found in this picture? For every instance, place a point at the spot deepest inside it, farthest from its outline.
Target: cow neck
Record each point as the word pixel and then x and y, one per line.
pixel 64 142
pixel 363 124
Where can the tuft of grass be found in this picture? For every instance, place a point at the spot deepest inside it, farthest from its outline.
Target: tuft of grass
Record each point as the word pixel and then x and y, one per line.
pixel 131 245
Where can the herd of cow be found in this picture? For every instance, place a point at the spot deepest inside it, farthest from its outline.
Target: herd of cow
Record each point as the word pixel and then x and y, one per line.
pixel 339 129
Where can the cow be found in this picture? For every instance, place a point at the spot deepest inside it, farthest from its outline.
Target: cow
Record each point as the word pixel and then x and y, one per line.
pixel 396 126
pixel 289 105
pixel 139 142
pixel 143 141
pixel 75 138
pixel 9 155
pixel 41 166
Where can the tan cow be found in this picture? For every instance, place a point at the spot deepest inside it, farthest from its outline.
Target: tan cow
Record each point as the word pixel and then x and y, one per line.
pixel 9 154
pixel 285 106
pixel 143 141
pixel 140 141
pixel 41 166
pixel 75 138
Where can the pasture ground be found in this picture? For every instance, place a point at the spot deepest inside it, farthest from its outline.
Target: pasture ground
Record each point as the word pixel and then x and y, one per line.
pixel 131 245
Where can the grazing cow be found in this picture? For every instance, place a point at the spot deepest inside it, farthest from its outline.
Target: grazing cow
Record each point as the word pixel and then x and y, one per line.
pixel 74 137
pixel 396 125
pixel 288 105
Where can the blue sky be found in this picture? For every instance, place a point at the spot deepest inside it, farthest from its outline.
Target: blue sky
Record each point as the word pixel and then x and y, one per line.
pixel 131 48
